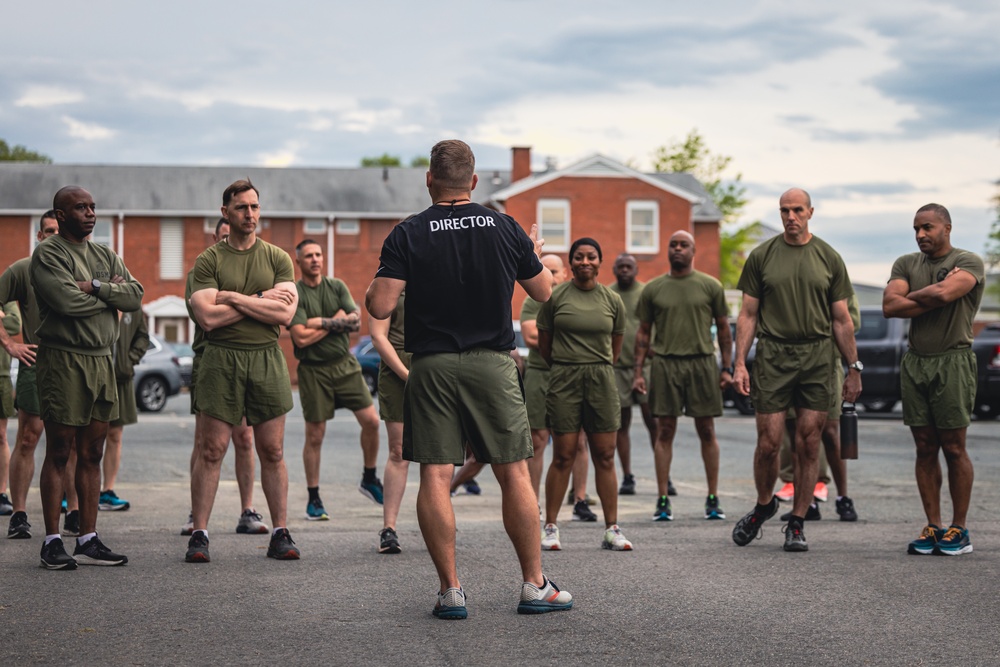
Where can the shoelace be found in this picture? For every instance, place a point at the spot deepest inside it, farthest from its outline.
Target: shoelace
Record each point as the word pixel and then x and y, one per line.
pixel 952 534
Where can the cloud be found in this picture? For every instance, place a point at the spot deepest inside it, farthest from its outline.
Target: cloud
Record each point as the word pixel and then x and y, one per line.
pixel 47 96
pixel 86 131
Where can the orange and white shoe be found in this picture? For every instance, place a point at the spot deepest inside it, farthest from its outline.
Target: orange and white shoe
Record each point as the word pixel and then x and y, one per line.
pixel 787 493
pixel 820 492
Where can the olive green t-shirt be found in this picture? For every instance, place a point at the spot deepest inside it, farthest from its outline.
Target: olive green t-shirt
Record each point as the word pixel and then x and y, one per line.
pixel 323 300
pixel 132 343
pixel 796 286
pixel 682 310
pixel 529 313
pixel 630 298
pixel 259 268
pixel 582 323
pixel 15 285
pixel 71 319
pixel 949 326
pixel 198 341
pixel 12 325
pixel 396 335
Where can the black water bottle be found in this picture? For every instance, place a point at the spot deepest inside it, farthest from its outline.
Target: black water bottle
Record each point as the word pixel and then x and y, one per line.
pixel 848 431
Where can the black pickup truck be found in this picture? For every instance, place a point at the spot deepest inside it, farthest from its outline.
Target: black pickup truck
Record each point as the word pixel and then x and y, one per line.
pixel 987 348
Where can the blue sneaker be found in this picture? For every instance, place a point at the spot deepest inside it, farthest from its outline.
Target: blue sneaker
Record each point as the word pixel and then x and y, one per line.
pixel 713 511
pixel 954 543
pixel 316 512
pixel 924 545
pixel 472 487
pixel 372 490
pixel 663 511
pixel 451 605
pixel 110 502
pixel 535 600
pixel 62 507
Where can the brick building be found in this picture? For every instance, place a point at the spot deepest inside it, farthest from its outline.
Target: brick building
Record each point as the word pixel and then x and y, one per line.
pixel 159 219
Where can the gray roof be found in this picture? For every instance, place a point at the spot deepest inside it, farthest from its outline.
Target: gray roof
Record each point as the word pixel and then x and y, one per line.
pixel 391 192
pixel 377 192
pixel 706 210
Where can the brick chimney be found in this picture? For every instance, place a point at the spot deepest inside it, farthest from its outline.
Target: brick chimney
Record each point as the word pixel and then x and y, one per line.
pixel 521 167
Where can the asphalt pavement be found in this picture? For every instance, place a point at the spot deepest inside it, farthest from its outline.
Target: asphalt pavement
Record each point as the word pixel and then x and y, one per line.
pixel 686 595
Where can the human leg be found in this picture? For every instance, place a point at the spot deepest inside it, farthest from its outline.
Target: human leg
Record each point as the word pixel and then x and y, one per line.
pixel 112 455
pixel 519 517
pixel 663 451
pixel 269 437
pixel 22 459
pixel 89 452
pixel 705 427
pixel 315 431
pixel 396 469
pixel 437 521
pixel 209 450
pixel 623 442
pixel 245 463
pixel 805 458
pixel 602 449
pixel 368 420
pixel 960 472
pixel 536 464
pixel 564 455
pixel 928 471
pixel 59 440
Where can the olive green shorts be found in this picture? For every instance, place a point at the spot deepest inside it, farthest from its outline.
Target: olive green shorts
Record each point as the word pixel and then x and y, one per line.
pixel 583 396
pixel 26 390
pixel 195 362
pixel 127 412
pixel 235 383
pixel 787 374
pixel 838 385
pixel 390 391
pixel 939 390
pixel 623 380
pixel 685 386
pixel 325 388
pixel 473 396
pixel 7 409
pixel 76 389
pixel 536 386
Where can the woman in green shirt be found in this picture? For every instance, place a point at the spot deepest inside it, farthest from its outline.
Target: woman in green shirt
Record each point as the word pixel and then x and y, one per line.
pixel 580 332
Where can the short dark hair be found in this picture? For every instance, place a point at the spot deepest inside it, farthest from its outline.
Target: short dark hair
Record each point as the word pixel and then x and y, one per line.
pixel 938 210
pixel 236 188
pixel 586 240
pixel 50 215
pixel 304 242
pixel 452 165
pixel 218 225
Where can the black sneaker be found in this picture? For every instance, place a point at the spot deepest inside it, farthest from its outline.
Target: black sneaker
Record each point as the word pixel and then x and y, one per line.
pixel 54 556
pixel 472 487
pixel 671 491
pixel 198 548
pixel 71 526
pixel 795 539
pixel 628 486
pixel 19 528
pixel 6 509
pixel 581 512
pixel 812 514
pixel 845 508
pixel 713 510
pixel 282 546
pixel 749 527
pixel 388 542
pixel 93 552
pixel 663 511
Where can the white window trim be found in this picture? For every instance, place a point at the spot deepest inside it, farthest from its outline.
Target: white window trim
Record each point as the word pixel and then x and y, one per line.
pixel 320 224
pixel 171 253
pixel 110 241
pixel 348 227
pixel 642 205
pixel 555 203
pixel 210 225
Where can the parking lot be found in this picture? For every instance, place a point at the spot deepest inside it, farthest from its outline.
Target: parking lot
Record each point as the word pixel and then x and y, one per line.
pixel 686 595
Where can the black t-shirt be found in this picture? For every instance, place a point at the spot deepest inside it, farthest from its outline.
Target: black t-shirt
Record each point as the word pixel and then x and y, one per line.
pixel 460 264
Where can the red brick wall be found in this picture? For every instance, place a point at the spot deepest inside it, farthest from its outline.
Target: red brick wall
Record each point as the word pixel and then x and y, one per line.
pixel 598 208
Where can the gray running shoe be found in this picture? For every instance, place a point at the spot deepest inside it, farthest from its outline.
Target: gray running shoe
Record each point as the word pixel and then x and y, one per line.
pixel 535 600
pixel 19 528
pixel 188 527
pixel 198 549
pixel 282 546
pixel 795 539
pixel 749 527
pixel 252 523
pixel 451 605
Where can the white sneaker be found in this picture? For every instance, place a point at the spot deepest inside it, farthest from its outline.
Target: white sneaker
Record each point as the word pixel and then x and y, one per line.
pixel 188 527
pixel 535 600
pixel 614 540
pixel 550 538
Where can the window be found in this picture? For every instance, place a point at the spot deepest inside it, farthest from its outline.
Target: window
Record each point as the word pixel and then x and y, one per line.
pixel 210 225
pixel 348 227
pixel 642 234
pixel 103 232
pixel 314 226
pixel 171 249
pixel 553 223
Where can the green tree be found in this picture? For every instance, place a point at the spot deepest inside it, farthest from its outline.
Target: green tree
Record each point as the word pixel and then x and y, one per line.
pixel 693 156
pixel 383 160
pixel 20 153
pixel 993 242
pixel 420 161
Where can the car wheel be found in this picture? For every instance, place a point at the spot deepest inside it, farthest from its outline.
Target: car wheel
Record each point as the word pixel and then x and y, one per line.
pixel 879 405
pixel 151 394
pixel 986 411
pixel 372 381
pixel 743 404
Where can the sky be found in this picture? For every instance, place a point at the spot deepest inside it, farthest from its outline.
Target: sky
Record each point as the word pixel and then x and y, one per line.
pixel 875 108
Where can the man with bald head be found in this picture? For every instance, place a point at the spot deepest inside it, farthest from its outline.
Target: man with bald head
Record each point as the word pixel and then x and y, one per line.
pixel 80 286
pixel 685 377
pixel 795 291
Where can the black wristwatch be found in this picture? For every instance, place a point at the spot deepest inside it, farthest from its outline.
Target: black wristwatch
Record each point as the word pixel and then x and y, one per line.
pixel 96 284
pixel 731 370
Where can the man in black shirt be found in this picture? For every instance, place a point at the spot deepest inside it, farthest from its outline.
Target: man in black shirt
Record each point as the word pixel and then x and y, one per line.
pixel 463 384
